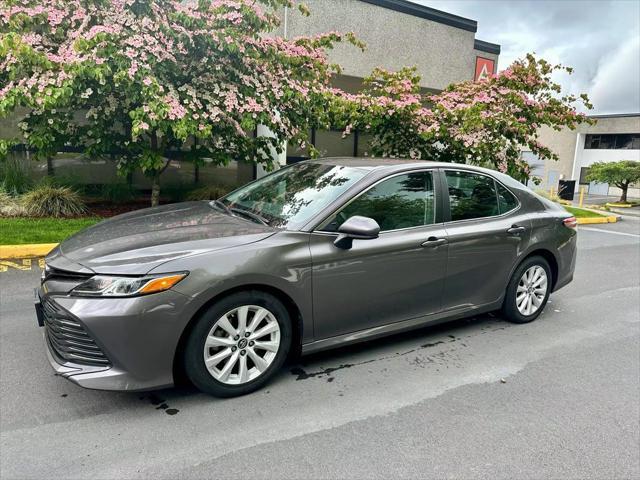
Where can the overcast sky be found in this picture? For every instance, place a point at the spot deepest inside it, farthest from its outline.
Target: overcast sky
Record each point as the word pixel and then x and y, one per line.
pixel 599 38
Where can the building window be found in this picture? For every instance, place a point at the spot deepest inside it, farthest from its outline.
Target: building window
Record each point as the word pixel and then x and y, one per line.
pixel 584 171
pixel 614 141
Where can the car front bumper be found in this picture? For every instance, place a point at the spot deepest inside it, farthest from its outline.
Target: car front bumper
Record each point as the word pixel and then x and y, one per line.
pixel 131 342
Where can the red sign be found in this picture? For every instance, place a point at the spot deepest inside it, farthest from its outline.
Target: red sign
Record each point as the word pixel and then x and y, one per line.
pixel 484 68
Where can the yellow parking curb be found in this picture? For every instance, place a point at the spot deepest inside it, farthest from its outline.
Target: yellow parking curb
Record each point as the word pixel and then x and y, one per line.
pixel 594 220
pixel 26 251
pixel 620 205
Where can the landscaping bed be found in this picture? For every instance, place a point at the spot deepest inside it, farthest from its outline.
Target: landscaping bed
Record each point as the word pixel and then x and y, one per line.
pixel 582 213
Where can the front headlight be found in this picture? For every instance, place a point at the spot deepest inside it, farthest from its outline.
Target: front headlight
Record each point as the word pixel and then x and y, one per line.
pixel 112 286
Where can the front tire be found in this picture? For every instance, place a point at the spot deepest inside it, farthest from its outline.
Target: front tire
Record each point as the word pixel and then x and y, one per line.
pixel 238 344
pixel 528 291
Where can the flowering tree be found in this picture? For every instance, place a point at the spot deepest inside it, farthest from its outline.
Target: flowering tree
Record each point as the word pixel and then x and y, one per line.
pixel 143 77
pixel 485 123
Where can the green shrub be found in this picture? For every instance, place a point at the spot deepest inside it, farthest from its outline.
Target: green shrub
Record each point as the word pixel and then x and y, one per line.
pixel 67 180
pixel 50 201
pixel 547 195
pixel 210 192
pixel 117 192
pixel 14 175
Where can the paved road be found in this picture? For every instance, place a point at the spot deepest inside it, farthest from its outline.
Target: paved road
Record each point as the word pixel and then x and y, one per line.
pixel 426 404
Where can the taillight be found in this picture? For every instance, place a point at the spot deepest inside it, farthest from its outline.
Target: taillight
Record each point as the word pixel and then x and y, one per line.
pixel 570 222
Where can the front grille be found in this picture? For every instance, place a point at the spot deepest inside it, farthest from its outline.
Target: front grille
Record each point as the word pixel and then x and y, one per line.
pixel 55 273
pixel 68 338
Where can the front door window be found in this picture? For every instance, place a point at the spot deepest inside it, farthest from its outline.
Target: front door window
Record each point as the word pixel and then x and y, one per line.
pixel 402 201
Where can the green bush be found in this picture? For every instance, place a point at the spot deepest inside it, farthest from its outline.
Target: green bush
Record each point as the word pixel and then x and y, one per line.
pixel 51 201
pixel 14 175
pixel 547 195
pixel 210 192
pixel 117 192
pixel 67 180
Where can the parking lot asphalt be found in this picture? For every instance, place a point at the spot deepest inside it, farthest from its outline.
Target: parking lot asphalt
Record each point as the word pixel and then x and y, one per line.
pixel 477 398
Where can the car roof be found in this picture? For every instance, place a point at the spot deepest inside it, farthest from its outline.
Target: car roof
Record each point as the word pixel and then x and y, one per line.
pixel 391 165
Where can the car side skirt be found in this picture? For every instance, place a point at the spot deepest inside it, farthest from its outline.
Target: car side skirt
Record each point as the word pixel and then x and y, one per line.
pixel 397 327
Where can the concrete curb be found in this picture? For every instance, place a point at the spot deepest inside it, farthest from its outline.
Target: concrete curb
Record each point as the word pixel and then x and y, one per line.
pixel 594 220
pixel 26 251
pixel 620 205
pixel 629 213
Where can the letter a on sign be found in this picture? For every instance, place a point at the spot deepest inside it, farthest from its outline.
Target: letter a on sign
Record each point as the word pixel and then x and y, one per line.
pixel 484 68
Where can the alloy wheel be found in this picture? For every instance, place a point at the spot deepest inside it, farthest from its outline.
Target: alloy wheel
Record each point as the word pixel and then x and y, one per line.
pixel 242 344
pixel 532 289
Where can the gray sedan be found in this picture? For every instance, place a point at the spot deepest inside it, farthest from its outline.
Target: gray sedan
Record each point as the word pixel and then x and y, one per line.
pixel 319 254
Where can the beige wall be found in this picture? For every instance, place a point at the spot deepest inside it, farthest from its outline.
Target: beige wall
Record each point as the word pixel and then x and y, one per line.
pixel 443 54
pixel 563 143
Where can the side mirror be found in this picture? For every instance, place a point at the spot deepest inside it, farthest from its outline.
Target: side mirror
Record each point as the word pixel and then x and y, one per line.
pixel 356 227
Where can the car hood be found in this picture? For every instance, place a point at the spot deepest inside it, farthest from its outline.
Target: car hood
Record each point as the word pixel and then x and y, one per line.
pixel 136 242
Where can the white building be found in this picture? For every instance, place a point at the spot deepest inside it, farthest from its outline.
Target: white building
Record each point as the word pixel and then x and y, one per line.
pixel 611 138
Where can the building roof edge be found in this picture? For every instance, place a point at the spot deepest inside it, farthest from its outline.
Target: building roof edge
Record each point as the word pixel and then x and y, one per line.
pixel 428 13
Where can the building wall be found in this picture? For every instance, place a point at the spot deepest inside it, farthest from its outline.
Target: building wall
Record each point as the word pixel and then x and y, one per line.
pixel 569 145
pixel 442 53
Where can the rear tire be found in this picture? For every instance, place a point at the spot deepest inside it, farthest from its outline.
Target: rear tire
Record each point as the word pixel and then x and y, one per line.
pixel 238 344
pixel 528 291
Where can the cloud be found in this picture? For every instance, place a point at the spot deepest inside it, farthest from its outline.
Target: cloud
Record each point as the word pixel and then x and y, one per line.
pixel 614 84
pixel 595 37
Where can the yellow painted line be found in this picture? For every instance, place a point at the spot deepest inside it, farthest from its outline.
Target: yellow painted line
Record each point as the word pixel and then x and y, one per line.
pixel 26 251
pixel 21 264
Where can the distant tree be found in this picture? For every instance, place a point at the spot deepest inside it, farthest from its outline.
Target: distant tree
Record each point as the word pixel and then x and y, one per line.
pixel 621 174
pixel 484 123
pixel 143 77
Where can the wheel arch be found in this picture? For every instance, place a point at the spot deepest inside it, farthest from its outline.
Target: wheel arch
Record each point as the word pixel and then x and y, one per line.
pixel 549 257
pixel 291 306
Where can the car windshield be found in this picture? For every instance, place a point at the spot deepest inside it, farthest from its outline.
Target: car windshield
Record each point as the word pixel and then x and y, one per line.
pixel 289 197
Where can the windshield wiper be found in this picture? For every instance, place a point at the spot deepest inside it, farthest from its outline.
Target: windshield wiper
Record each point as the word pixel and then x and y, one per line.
pixel 250 214
pixel 247 213
pixel 221 205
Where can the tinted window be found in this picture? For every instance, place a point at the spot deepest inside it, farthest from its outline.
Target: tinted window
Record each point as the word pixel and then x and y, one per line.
pixel 506 200
pixel 292 195
pixel 471 195
pixel 584 171
pixel 402 201
pixel 612 141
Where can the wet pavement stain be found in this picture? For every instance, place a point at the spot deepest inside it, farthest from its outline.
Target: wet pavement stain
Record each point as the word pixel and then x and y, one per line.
pixel 159 403
pixel 302 374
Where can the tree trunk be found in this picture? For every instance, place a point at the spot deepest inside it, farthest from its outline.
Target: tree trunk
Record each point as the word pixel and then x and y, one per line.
pixel 155 189
pixel 623 197
pixel 50 170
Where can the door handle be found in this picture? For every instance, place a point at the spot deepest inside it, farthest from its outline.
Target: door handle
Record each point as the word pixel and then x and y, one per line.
pixel 516 230
pixel 433 242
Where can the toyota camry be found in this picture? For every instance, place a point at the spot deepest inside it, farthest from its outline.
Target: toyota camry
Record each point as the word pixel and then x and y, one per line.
pixel 316 255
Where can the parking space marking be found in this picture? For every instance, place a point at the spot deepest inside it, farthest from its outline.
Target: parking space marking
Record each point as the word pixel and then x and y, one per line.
pixel 602 230
pixel 25 264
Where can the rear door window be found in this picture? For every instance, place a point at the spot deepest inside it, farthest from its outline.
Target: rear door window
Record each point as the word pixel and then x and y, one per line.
pixel 471 195
pixel 506 200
